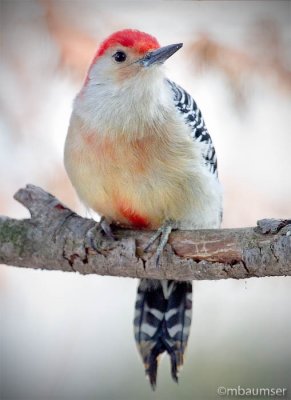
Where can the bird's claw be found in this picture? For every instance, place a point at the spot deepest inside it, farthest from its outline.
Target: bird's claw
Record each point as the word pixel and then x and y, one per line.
pixel 106 228
pixel 93 236
pixel 163 232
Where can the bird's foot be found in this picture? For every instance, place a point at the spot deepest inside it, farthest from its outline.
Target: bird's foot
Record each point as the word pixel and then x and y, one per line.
pixel 95 234
pixel 106 228
pixel 163 232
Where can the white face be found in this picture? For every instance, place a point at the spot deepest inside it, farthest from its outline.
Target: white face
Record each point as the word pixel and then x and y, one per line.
pixel 118 65
pixel 124 83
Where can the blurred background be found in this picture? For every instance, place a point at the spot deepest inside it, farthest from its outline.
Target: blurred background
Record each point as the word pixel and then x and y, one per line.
pixel 65 336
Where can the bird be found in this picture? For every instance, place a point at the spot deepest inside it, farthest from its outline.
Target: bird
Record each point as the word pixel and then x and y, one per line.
pixel 139 154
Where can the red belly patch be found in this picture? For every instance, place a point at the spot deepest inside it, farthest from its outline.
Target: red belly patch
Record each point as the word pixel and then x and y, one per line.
pixel 132 216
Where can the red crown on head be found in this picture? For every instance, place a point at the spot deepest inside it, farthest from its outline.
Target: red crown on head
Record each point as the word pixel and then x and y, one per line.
pixel 140 41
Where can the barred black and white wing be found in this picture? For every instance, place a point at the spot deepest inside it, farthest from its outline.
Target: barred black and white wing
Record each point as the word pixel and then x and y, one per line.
pixel 188 108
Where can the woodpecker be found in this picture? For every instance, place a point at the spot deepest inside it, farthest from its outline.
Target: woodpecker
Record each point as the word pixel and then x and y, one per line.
pixel 139 154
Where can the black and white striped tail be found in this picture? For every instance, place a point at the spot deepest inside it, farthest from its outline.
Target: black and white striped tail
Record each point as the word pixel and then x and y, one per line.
pixel 162 323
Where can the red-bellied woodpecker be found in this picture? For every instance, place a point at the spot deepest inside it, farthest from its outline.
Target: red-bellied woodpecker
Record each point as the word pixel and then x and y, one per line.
pixel 138 153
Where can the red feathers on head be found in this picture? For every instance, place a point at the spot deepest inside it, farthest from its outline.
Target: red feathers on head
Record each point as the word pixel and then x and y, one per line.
pixel 140 41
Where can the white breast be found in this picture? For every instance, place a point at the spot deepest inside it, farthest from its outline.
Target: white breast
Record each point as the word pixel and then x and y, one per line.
pixel 135 160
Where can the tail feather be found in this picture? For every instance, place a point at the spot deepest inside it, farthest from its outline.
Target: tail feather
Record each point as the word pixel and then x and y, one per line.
pixel 162 323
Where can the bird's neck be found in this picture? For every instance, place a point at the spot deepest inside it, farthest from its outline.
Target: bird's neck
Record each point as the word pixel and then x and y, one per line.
pixel 130 109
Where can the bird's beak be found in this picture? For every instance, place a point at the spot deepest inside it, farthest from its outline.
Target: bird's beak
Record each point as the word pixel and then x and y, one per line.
pixel 160 55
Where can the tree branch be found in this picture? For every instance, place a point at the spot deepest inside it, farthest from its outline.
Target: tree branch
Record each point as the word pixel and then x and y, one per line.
pixel 56 238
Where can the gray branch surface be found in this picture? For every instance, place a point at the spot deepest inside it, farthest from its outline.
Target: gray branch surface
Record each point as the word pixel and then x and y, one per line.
pixel 56 238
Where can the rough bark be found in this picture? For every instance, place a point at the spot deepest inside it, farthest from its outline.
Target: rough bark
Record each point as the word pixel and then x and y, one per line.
pixel 56 238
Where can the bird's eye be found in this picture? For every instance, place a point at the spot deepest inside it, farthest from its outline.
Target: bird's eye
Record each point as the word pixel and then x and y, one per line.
pixel 119 56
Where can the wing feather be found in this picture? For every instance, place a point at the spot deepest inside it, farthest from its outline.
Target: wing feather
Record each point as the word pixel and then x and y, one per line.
pixel 192 115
